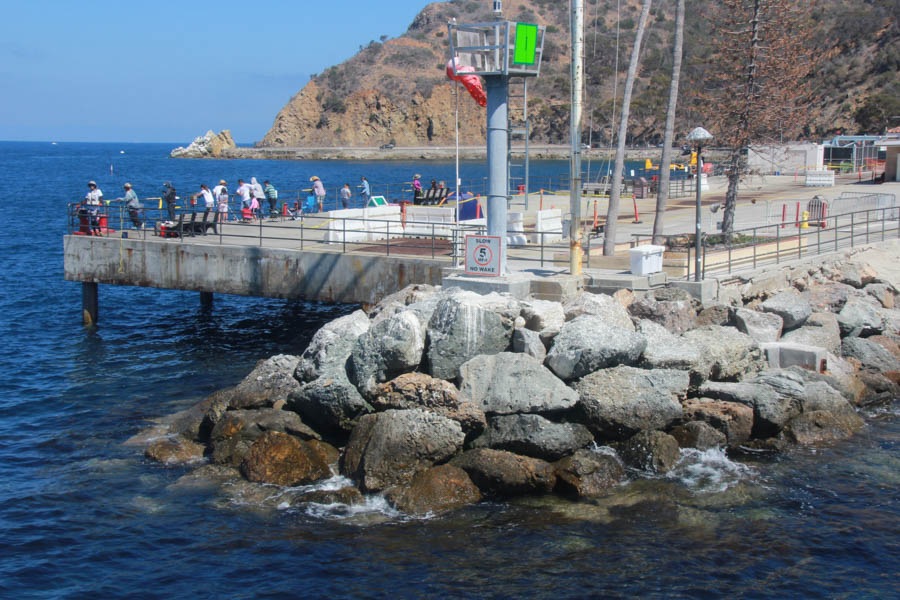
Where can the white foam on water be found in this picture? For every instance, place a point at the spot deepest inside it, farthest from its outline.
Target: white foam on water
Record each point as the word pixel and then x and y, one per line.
pixel 372 506
pixel 708 471
pixel 604 450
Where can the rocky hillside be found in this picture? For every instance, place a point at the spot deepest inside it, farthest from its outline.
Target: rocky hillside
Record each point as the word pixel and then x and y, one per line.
pixel 395 90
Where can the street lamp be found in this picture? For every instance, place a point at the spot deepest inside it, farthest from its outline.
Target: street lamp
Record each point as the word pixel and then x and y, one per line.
pixel 698 137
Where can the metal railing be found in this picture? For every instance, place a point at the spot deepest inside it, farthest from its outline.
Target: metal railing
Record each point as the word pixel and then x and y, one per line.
pixel 752 247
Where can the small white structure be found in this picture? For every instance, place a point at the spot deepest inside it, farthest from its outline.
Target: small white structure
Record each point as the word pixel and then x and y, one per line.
pixel 548 228
pixel 646 260
pixel 823 178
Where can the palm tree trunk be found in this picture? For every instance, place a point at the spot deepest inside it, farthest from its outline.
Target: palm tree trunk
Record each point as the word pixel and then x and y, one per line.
pixel 612 213
pixel 662 194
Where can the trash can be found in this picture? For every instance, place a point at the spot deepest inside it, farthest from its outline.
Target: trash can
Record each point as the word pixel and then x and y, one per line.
pixel 641 188
pixel 646 260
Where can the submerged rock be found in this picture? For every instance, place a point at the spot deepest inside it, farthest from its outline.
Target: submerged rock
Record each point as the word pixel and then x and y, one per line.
pixel 197 422
pixel 282 459
pixel 174 450
pixel 501 473
pixel 822 426
pixel 588 343
pixel 652 451
pixel 435 490
pixel 587 474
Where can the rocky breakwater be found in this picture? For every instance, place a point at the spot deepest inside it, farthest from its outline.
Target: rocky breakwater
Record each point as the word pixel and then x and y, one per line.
pixel 209 145
pixel 438 398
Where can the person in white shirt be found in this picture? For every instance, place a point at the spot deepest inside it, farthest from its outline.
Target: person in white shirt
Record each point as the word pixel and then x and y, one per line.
pixel 94 200
pixel 244 192
pixel 209 202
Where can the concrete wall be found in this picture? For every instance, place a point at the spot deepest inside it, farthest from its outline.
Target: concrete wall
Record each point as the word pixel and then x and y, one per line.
pixel 786 159
pixel 244 270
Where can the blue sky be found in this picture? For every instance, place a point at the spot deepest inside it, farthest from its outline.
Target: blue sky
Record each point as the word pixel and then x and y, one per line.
pixel 166 71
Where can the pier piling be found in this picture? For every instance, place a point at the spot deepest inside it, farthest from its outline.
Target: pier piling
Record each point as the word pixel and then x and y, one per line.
pixel 90 302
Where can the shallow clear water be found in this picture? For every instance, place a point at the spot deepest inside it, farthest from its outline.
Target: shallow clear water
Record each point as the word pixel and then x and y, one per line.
pixel 82 515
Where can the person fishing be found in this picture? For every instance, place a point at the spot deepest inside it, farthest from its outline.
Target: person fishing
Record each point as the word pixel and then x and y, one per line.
pixel 168 194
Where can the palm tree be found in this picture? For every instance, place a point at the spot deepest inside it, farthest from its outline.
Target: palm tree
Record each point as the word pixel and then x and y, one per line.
pixel 662 194
pixel 612 213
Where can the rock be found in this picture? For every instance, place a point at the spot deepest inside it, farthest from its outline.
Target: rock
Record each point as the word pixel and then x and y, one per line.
pixel 174 450
pixel 389 448
pixel 716 314
pixel 822 397
pixel 282 459
pixel 390 348
pixel 587 474
pixel 622 401
pixel 887 343
pixel 891 320
pixel 775 396
pixel 418 390
pixel 329 404
pixel 393 303
pixel 871 355
pixel 672 294
pixel 544 317
pixel 509 383
pixel 436 490
pixel 790 306
pixel 348 495
pixel 827 297
pixel 821 426
pixel 761 326
pixel 880 389
pixel 857 274
pixel 330 347
pixel 733 419
pixel 209 145
pixel 270 381
pixel 197 422
pixel 821 329
pixel 652 451
pixel 528 342
pixel 533 435
pixel 769 282
pixel 501 473
pixel 237 429
pixel 666 350
pixel 460 330
pixel 859 319
pixel 599 305
pixel 677 316
pixel 882 292
pixel 625 297
pixel 846 379
pixel 726 353
pixel 832 385
pixel 588 343
pixel 699 435
pixel 206 477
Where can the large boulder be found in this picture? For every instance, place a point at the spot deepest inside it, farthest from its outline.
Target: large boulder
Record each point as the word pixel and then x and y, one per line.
pixel 666 350
pixel 715 314
pixel 435 490
pixel 282 459
pixel 859 319
pixel 828 297
pixel 821 426
pixel 544 317
pixel 870 354
pixel 330 347
pixel 676 315
pixel 271 381
pixel 509 383
pixel 790 306
pixel 398 301
pixel 418 390
pixel 726 353
pixel 599 305
pixel 533 435
pixel 236 430
pixel 699 435
pixel 761 326
pixel 528 342
pixel 461 329
pixel 733 419
pixel 856 274
pixel 197 422
pixel 389 448
pixel 587 474
pixel 391 347
pixel 883 293
pixel 820 396
pixel 174 450
pixel 501 473
pixel 330 404
pixel 821 329
pixel 775 397
pixel 588 343
pixel 652 451
pixel 622 401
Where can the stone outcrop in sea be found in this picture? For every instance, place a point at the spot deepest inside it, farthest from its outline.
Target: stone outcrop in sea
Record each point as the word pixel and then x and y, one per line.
pixel 208 145
pixel 436 397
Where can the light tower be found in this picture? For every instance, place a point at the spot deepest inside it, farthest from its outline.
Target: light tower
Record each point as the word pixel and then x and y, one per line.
pixel 496 51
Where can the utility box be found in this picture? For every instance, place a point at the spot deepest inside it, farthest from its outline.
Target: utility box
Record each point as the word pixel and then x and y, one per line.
pixel 641 188
pixel 646 260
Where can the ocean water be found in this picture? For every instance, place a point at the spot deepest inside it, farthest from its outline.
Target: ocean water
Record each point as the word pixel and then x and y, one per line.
pixel 84 516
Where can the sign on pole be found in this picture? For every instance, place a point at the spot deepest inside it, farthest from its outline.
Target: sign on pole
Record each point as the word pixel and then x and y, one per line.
pixel 526 44
pixel 483 255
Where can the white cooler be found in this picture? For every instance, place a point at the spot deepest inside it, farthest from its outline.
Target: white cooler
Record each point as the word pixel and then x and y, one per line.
pixel 646 260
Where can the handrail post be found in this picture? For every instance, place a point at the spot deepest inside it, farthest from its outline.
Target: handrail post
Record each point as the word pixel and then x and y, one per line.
pixel 302 217
pixel 344 222
pixel 432 240
pixel 387 240
pixel 852 227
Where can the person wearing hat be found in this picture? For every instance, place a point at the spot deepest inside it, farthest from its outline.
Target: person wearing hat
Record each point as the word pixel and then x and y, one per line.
pixel 318 191
pixel 217 190
pixel 168 194
pixel 93 200
pixel 417 188
pixel 133 205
